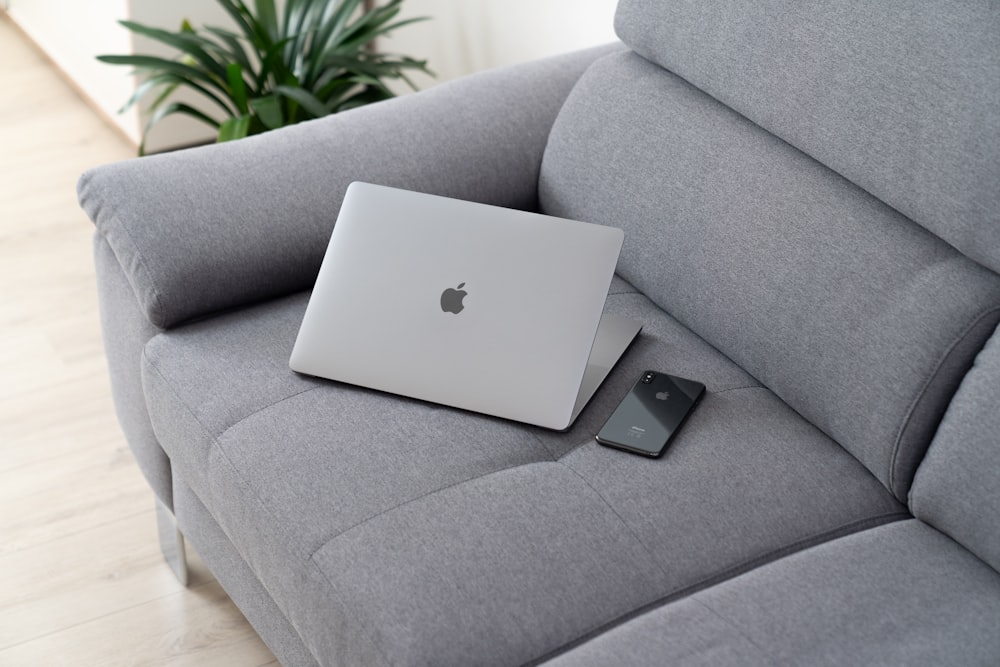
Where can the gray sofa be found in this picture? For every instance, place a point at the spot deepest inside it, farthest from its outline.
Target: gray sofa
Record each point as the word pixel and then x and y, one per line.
pixel 810 194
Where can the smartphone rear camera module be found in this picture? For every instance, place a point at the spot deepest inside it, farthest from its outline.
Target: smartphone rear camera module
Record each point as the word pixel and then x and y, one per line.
pixel 648 377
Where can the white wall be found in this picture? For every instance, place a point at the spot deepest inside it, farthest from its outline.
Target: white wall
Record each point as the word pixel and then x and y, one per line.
pixel 462 36
pixel 73 32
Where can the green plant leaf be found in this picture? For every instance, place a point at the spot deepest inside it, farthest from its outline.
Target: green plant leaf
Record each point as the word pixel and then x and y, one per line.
pixel 267 17
pixel 234 128
pixel 256 32
pixel 162 97
pixel 268 110
pixel 169 110
pixel 300 16
pixel 171 82
pixel 235 10
pixel 304 98
pixel 360 38
pixel 335 87
pixel 157 64
pixel 234 49
pixel 237 87
pixel 183 42
pixel 366 96
pixel 329 32
pixel 270 70
pixel 147 86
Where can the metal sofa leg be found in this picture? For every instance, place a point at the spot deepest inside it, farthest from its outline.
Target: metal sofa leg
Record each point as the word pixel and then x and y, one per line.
pixel 172 542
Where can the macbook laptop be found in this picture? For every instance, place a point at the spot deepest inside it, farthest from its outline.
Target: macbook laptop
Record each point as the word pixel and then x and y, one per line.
pixel 467 305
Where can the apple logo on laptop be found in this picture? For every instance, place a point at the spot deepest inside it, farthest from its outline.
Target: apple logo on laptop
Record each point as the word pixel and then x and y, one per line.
pixel 662 395
pixel 451 299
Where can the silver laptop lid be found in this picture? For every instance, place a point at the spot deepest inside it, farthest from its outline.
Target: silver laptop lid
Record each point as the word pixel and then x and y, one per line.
pixel 473 306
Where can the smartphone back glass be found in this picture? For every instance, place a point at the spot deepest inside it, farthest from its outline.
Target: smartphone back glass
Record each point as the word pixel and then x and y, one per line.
pixel 651 413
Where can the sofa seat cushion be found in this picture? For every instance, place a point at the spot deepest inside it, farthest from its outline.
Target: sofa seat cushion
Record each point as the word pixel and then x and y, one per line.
pixel 390 530
pixel 899 594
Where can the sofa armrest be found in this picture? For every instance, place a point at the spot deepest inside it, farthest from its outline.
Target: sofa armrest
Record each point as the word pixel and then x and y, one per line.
pixel 220 226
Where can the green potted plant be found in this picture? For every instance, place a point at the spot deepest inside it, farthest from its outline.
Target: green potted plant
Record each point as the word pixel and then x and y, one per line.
pixel 315 58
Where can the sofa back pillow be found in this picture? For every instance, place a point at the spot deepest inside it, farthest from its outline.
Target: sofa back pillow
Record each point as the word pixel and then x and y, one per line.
pixel 901 99
pixel 859 318
pixel 957 487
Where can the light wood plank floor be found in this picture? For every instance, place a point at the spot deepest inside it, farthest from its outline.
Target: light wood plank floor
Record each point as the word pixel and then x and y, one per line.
pixel 81 578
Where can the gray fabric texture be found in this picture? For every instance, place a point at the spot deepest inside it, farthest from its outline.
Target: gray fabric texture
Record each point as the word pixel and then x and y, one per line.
pixel 901 99
pixel 494 571
pixel 239 582
pixel 859 319
pixel 125 331
pixel 901 594
pixel 745 479
pixel 957 488
pixel 289 462
pixel 219 226
pixel 664 345
pixel 353 504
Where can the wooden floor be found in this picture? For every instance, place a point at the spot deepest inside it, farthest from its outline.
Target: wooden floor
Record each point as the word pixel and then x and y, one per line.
pixel 81 578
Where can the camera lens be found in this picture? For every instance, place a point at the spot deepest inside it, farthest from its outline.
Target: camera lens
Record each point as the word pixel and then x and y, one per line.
pixel 648 377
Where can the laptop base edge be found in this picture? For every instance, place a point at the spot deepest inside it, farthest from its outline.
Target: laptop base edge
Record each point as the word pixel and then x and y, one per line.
pixel 615 335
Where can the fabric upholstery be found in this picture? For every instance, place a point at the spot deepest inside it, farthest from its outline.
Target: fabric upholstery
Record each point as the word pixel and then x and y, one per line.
pixel 217 552
pixel 125 330
pixel 860 320
pixel 743 450
pixel 810 210
pixel 663 345
pixel 500 568
pixel 235 223
pixel 957 488
pixel 900 594
pixel 392 531
pixel 901 99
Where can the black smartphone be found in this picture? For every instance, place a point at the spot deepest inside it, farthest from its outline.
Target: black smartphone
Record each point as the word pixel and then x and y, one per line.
pixel 651 413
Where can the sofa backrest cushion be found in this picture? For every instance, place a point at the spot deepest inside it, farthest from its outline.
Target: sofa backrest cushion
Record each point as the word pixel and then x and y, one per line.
pixel 861 320
pixel 902 99
pixel 957 488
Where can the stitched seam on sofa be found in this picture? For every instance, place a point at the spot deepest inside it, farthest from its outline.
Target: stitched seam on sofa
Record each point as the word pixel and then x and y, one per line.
pixel 152 365
pixel 251 492
pixel 730 573
pixel 312 557
pixel 844 530
pixel 749 386
pixel 369 628
pixel 625 524
pixel 239 421
pixel 538 439
pixel 923 390
pixel 362 522
pixel 216 445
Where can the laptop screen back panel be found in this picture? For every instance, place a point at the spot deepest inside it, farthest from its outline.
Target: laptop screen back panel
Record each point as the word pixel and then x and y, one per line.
pixel 518 346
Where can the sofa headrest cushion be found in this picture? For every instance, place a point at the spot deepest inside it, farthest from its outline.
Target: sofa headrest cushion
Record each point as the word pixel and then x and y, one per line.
pixel 901 99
